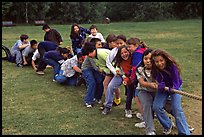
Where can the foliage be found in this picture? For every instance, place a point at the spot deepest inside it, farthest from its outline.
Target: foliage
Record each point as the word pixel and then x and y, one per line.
pixel 95 12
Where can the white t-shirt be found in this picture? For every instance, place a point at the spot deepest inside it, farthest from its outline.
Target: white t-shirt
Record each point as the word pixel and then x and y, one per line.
pixel 36 55
pixel 98 35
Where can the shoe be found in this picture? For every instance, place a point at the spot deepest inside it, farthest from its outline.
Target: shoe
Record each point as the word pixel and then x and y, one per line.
pixel 151 133
pixel 167 131
pixel 139 116
pixel 53 80
pixel 128 113
pixel 102 107
pixel 88 105
pixel 106 110
pixel 40 72
pixel 190 128
pixel 140 125
pixel 98 101
pixel 116 102
pixel 19 65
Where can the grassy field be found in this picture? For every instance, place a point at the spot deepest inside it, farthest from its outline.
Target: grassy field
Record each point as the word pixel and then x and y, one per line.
pixel 33 104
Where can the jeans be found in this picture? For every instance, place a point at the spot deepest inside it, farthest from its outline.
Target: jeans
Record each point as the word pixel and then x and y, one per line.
pixel 158 107
pixel 76 50
pixel 54 64
pixel 115 82
pixel 60 78
pixel 18 55
pixel 94 84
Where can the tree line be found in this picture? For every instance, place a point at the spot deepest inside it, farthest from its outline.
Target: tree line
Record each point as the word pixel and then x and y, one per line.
pixel 95 12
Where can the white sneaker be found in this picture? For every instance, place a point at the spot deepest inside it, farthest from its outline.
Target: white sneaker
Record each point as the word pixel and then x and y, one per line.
pixel 139 116
pixel 151 133
pixel 140 125
pixel 128 113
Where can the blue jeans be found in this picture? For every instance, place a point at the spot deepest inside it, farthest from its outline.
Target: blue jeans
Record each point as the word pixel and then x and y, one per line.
pixel 94 84
pixel 115 83
pixel 76 50
pixel 158 107
pixel 60 78
pixel 18 55
pixel 54 64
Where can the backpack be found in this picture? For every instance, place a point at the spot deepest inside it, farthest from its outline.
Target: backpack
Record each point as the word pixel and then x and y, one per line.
pixel 8 57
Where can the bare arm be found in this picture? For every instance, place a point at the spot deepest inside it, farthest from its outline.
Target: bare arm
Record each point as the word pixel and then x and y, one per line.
pixel 146 84
pixel 77 69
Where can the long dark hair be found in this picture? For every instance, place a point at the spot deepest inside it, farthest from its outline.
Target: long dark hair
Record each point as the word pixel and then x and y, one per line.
pixel 73 34
pixel 118 59
pixel 169 61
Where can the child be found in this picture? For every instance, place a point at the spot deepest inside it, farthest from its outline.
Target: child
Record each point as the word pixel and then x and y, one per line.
pixel 166 71
pixel 93 69
pixel 52 35
pixel 55 58
pixel 78 37
pixel 123 66
pixel 96 34
pixel 27 53
pixel 110 41
pixel 16 50
pixel 43 47
pixel 97 42
pixel 146 91
pixel 136 47
pixel 109 61
pixel 69 69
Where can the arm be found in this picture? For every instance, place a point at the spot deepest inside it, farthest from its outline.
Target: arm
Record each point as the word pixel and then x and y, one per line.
pixel 110 58
pixel 77 69
pixel 146 84
pixel 58 36
pixel 22 46
pixel 33 65
pixel 137 57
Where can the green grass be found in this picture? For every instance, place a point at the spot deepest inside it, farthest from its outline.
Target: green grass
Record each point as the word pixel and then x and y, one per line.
pixel 33 104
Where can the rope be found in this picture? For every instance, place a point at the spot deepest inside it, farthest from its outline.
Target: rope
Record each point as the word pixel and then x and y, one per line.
pixel 185 94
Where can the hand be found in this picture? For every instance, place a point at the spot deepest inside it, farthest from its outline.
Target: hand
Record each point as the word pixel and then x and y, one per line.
pixel 161 86
pixel 118 72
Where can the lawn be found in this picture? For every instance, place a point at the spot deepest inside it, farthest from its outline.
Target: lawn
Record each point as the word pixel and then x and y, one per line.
pixel 34 105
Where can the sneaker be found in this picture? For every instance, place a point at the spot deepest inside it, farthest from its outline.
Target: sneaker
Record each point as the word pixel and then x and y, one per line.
pixel 151 133
pixel 98 101
pixel 102 107
pixel 40 72
pixel 167 131
pixel 128 113
pixel 190 128
pixel 140 125
pixel 139 116
pixel 106 110
pixel 88 105
pixel 19 65
pixel 53 80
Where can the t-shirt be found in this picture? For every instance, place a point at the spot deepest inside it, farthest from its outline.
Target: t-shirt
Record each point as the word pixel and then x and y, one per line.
pixel 17 44
pixel 140 73
pixel 36 55
pixel 68 65
pixel 98 35
pixel 27 51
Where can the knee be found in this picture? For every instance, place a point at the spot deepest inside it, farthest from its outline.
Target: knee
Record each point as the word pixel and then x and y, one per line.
pixel 156 108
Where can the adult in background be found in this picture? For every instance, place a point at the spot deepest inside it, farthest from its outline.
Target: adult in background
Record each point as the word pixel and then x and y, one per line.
pixel 52 35
pixel 78 37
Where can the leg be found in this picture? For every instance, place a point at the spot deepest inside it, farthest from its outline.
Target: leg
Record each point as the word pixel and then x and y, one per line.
pixel 99 84
pixel 90 84
pixel 158 108
pixel 112 86
pixel 139 105
pixel 147 100
pixel 179 116
pixel 60 78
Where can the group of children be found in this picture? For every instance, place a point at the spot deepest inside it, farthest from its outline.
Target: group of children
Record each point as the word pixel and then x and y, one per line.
pixel 105 65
